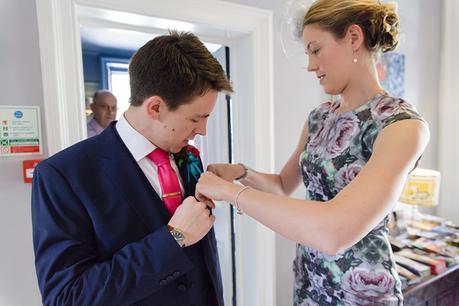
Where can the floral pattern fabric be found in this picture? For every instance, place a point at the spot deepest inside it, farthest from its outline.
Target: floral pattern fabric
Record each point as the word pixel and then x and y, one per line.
pixel 339 145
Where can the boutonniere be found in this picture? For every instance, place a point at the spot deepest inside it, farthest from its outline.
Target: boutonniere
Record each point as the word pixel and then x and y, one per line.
pixel 189 156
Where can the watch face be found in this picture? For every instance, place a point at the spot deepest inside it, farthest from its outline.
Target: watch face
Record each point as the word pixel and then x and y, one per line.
pixel 178 236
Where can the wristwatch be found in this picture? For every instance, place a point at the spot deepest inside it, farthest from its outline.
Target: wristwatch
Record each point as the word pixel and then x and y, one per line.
pixel 243 175
pixel 178 235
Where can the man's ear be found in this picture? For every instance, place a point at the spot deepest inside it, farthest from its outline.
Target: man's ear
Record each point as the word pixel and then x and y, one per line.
pixel 356 36
pixel 154 105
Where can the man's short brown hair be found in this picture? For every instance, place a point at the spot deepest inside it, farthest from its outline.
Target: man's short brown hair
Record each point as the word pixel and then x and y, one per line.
pixel 177 67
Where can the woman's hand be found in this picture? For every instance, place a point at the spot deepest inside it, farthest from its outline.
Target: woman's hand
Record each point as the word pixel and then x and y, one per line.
pixel 214 188
pixel 228 172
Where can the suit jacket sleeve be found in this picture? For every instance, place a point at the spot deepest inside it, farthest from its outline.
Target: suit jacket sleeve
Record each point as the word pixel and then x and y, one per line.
pixel 69 270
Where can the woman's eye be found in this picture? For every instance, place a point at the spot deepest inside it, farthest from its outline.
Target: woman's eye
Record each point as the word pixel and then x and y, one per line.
pixel 315 51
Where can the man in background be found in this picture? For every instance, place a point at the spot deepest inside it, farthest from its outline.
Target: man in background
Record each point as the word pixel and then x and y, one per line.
pixel 104 107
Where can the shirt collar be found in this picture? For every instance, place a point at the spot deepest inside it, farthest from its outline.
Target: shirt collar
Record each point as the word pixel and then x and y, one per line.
pixel 137 144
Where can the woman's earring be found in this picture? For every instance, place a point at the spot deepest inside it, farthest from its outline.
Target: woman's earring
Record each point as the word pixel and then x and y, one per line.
pixel 354 60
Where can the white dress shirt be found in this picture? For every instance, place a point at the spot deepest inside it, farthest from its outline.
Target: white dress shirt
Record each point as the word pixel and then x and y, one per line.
pixel 140 147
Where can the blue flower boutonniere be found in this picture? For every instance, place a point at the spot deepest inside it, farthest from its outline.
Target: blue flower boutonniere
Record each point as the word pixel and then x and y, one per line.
pixel 190 157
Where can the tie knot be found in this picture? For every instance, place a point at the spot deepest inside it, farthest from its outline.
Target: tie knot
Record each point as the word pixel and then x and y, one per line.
pixel 159 157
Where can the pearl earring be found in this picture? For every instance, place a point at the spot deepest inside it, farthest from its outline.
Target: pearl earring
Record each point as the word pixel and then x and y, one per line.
pixel 354 60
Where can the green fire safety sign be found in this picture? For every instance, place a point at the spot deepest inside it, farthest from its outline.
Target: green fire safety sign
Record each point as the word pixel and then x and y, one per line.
pixel 20 132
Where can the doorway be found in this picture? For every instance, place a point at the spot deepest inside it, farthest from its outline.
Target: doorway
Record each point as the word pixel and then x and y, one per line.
pixel 246 30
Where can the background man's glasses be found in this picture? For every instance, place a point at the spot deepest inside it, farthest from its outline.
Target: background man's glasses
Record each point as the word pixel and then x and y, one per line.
pixel 107 108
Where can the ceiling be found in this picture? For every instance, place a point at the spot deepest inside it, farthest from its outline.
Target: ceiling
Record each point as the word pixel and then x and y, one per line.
pixel 128 31
pixel 97 39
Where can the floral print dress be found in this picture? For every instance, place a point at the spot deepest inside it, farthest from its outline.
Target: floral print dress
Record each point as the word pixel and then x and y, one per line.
pixel 339 145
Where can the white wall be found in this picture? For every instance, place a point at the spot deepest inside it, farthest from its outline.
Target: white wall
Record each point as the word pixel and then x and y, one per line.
pixel 449 108
pixel 20 84
pixel 295 92
pixel 420 42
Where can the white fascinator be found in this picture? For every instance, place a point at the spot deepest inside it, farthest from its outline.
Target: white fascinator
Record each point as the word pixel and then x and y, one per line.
pixel 291 28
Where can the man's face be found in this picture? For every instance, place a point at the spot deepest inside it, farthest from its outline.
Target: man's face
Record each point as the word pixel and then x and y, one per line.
pixel 188 120
pixel 104 108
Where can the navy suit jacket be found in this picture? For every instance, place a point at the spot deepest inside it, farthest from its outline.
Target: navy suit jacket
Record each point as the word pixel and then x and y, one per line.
pixel 100 234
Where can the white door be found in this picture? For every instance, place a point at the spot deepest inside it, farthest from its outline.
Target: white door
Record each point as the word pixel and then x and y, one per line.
pixel 215 147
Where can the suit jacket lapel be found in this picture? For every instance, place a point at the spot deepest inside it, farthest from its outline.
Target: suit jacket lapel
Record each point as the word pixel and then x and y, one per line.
pixel 190 171
pixel 208 242
pixel 130 181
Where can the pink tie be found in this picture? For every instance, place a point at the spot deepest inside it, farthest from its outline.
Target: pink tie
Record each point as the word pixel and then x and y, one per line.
pixel 170 186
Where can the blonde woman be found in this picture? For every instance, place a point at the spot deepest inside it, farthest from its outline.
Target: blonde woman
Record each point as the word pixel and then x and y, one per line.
pixel 353 157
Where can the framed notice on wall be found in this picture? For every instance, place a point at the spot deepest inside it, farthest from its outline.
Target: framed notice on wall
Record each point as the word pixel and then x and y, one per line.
pixel 20 130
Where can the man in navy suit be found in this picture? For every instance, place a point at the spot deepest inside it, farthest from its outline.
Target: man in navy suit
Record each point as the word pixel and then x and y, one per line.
pixel 102 233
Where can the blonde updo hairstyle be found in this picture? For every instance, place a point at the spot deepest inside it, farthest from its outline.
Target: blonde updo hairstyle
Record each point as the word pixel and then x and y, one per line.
pixel 378 21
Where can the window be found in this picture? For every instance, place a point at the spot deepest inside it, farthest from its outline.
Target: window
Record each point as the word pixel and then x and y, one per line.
pixel 115 77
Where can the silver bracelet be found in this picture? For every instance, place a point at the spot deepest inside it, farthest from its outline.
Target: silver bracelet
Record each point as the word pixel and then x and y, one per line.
pixel 244 175
pixel 238 209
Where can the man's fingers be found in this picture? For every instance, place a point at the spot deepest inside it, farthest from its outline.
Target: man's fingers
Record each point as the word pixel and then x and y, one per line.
pixel 200 197
pixel 189 199
pixel 209 203
pixel 201 205
pixel 212 219
pixel 203 200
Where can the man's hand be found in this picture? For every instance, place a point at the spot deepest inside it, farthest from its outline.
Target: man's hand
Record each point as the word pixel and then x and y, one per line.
pixel 193 218
pixel 228 172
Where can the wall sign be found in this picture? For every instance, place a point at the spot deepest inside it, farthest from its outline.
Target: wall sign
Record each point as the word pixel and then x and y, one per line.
pixel 20 130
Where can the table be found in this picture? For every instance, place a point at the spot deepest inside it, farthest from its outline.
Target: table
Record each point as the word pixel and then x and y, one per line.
pixel 436 290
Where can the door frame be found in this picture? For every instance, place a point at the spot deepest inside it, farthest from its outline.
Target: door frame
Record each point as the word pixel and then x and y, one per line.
pixel 249 33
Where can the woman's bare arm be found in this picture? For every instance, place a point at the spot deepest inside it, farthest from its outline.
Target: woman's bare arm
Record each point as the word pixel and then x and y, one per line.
pixel 343 221
pixel 283 183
